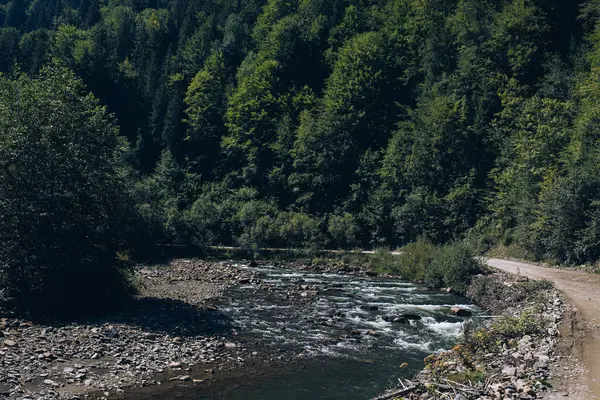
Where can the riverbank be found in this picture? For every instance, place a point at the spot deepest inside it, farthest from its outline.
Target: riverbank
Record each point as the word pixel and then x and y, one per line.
pixel 179 334
pixel 168 328
pixel 581 331
pixel 511 357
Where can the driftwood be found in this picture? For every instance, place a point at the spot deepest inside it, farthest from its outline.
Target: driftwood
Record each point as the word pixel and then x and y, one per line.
pixel 454 386
pixel 450 385
pixel 395 393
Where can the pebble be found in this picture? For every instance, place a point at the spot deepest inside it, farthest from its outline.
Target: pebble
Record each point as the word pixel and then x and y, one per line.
pixel 520 368
pixel 133 346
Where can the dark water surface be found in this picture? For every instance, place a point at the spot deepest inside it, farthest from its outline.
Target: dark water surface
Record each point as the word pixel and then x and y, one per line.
pixel 342 346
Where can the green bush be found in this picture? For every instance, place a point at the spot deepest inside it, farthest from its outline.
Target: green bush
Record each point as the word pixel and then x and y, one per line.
pixel 412 262
pixel 452 265
pixel 343 230
pixel 298 230
pixel 252 224
pixel 508 327
pixel 202 219
pixel 61 196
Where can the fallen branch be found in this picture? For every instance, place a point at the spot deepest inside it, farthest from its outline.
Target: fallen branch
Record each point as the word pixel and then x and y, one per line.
pixel 454 387
pixel 396 393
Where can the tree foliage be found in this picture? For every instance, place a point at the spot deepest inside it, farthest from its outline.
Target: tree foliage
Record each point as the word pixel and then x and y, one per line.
pixel 341 122
pixel 61 196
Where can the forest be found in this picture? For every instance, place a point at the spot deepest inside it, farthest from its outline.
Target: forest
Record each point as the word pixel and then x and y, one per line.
pixel 128 124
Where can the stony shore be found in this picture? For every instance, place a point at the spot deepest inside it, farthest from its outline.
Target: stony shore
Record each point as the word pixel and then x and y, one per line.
pixel 172 331
pixel 170 327
pixel 510 357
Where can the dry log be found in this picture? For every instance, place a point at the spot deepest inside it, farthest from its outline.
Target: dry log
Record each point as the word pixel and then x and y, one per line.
pixel 395 393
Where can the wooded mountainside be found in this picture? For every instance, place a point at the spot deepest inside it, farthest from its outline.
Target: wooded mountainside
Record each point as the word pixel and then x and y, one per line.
pixel 337 123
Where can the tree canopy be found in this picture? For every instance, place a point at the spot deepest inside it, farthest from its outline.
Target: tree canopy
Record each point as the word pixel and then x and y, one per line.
pixel 333 123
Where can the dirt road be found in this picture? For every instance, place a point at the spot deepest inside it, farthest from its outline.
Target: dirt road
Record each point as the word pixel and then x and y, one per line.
pixel 583 292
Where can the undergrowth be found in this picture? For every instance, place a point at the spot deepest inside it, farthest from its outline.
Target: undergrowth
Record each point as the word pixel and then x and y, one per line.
pixel 452 265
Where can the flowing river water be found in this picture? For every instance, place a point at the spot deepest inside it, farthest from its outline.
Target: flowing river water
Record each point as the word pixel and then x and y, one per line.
pixel 338 330
pixel 350 351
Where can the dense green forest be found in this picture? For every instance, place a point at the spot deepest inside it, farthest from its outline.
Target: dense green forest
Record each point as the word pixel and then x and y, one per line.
pixel 311 123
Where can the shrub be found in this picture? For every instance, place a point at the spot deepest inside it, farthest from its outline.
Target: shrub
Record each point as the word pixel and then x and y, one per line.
pixel 412 262
pixel 298 230
pixel 60 196
pixel 509 327
pixel 343 230
pixel 451 265
pixel 254 223
pixel 202 219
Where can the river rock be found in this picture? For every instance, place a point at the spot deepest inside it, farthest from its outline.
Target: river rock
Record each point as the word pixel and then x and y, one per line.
pixel 392 318
pixel 542 357
pixel 411 316
pixel 9 343
pixel 525 340
pixel 369 308
pixel 541 365
pixel 509 371
pixel 111 332
pixel 461 312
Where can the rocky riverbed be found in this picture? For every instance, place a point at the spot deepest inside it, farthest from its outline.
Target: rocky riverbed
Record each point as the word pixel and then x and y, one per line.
pixel 510 358
pixel 304 330
pixel 170 327
pixel 330 332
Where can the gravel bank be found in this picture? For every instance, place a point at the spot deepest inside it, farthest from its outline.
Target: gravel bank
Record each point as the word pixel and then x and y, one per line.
pixel 168 328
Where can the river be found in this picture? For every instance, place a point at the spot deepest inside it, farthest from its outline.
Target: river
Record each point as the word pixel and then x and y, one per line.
pixel 339 332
